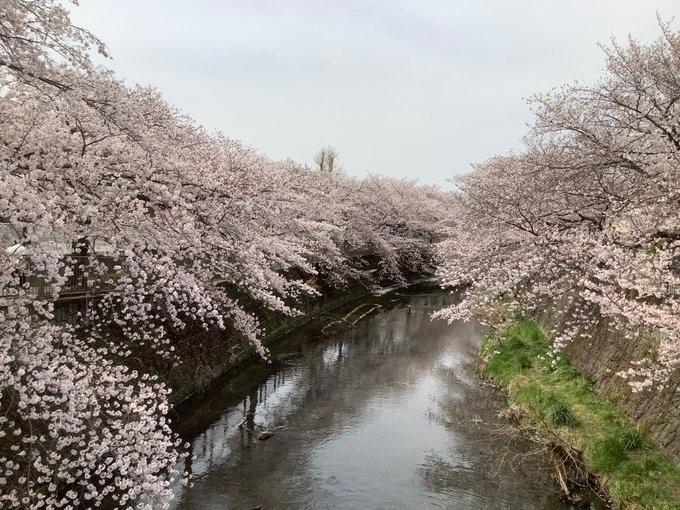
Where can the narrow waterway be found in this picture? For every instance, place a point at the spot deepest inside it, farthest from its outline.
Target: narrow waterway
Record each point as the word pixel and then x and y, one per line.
pixel 385 415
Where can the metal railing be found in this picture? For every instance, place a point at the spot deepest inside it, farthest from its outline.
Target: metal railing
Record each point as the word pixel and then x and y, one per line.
pixel 79 284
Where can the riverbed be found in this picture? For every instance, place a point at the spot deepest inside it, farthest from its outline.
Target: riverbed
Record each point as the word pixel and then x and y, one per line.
pixel 382 413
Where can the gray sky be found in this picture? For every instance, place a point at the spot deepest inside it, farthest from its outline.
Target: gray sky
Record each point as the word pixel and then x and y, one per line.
pixel 405 88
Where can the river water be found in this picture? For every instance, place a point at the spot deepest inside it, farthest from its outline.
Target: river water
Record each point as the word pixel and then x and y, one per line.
pixel 387 414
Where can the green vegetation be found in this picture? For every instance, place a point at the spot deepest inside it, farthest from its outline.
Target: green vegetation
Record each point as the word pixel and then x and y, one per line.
pixel 560 402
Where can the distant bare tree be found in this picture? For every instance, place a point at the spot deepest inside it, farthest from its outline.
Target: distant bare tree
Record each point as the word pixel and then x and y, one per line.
pixel 326 159
pixel 320 159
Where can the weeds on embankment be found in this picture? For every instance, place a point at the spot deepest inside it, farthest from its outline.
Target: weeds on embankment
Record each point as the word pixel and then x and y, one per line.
pixel 548 394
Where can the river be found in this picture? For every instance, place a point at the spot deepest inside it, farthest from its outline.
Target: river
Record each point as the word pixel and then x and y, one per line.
pixel 387 414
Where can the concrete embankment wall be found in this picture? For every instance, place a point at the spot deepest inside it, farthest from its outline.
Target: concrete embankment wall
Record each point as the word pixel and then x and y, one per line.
pixel 209 355
pixel 607 352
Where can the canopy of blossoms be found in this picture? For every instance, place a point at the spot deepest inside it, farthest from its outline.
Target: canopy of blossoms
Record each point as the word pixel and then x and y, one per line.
pixel 586 221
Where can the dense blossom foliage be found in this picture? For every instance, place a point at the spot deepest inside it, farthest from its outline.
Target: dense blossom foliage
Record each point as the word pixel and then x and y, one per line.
pixel 586 219
pixel 162 224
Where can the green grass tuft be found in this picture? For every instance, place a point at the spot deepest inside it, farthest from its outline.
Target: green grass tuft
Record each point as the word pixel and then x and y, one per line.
pixel 607 454
pixel 634 439
pixel 559 412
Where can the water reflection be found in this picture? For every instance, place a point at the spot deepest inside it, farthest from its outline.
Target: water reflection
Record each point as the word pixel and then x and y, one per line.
pixel 388 414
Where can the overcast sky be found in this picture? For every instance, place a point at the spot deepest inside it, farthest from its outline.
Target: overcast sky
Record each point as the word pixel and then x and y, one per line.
pixel 407 88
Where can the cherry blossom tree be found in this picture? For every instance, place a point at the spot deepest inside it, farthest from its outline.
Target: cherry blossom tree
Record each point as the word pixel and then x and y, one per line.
pixel 586 217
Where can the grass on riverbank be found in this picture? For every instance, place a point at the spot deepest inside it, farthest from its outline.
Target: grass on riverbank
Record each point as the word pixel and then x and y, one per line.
pixel 558 400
